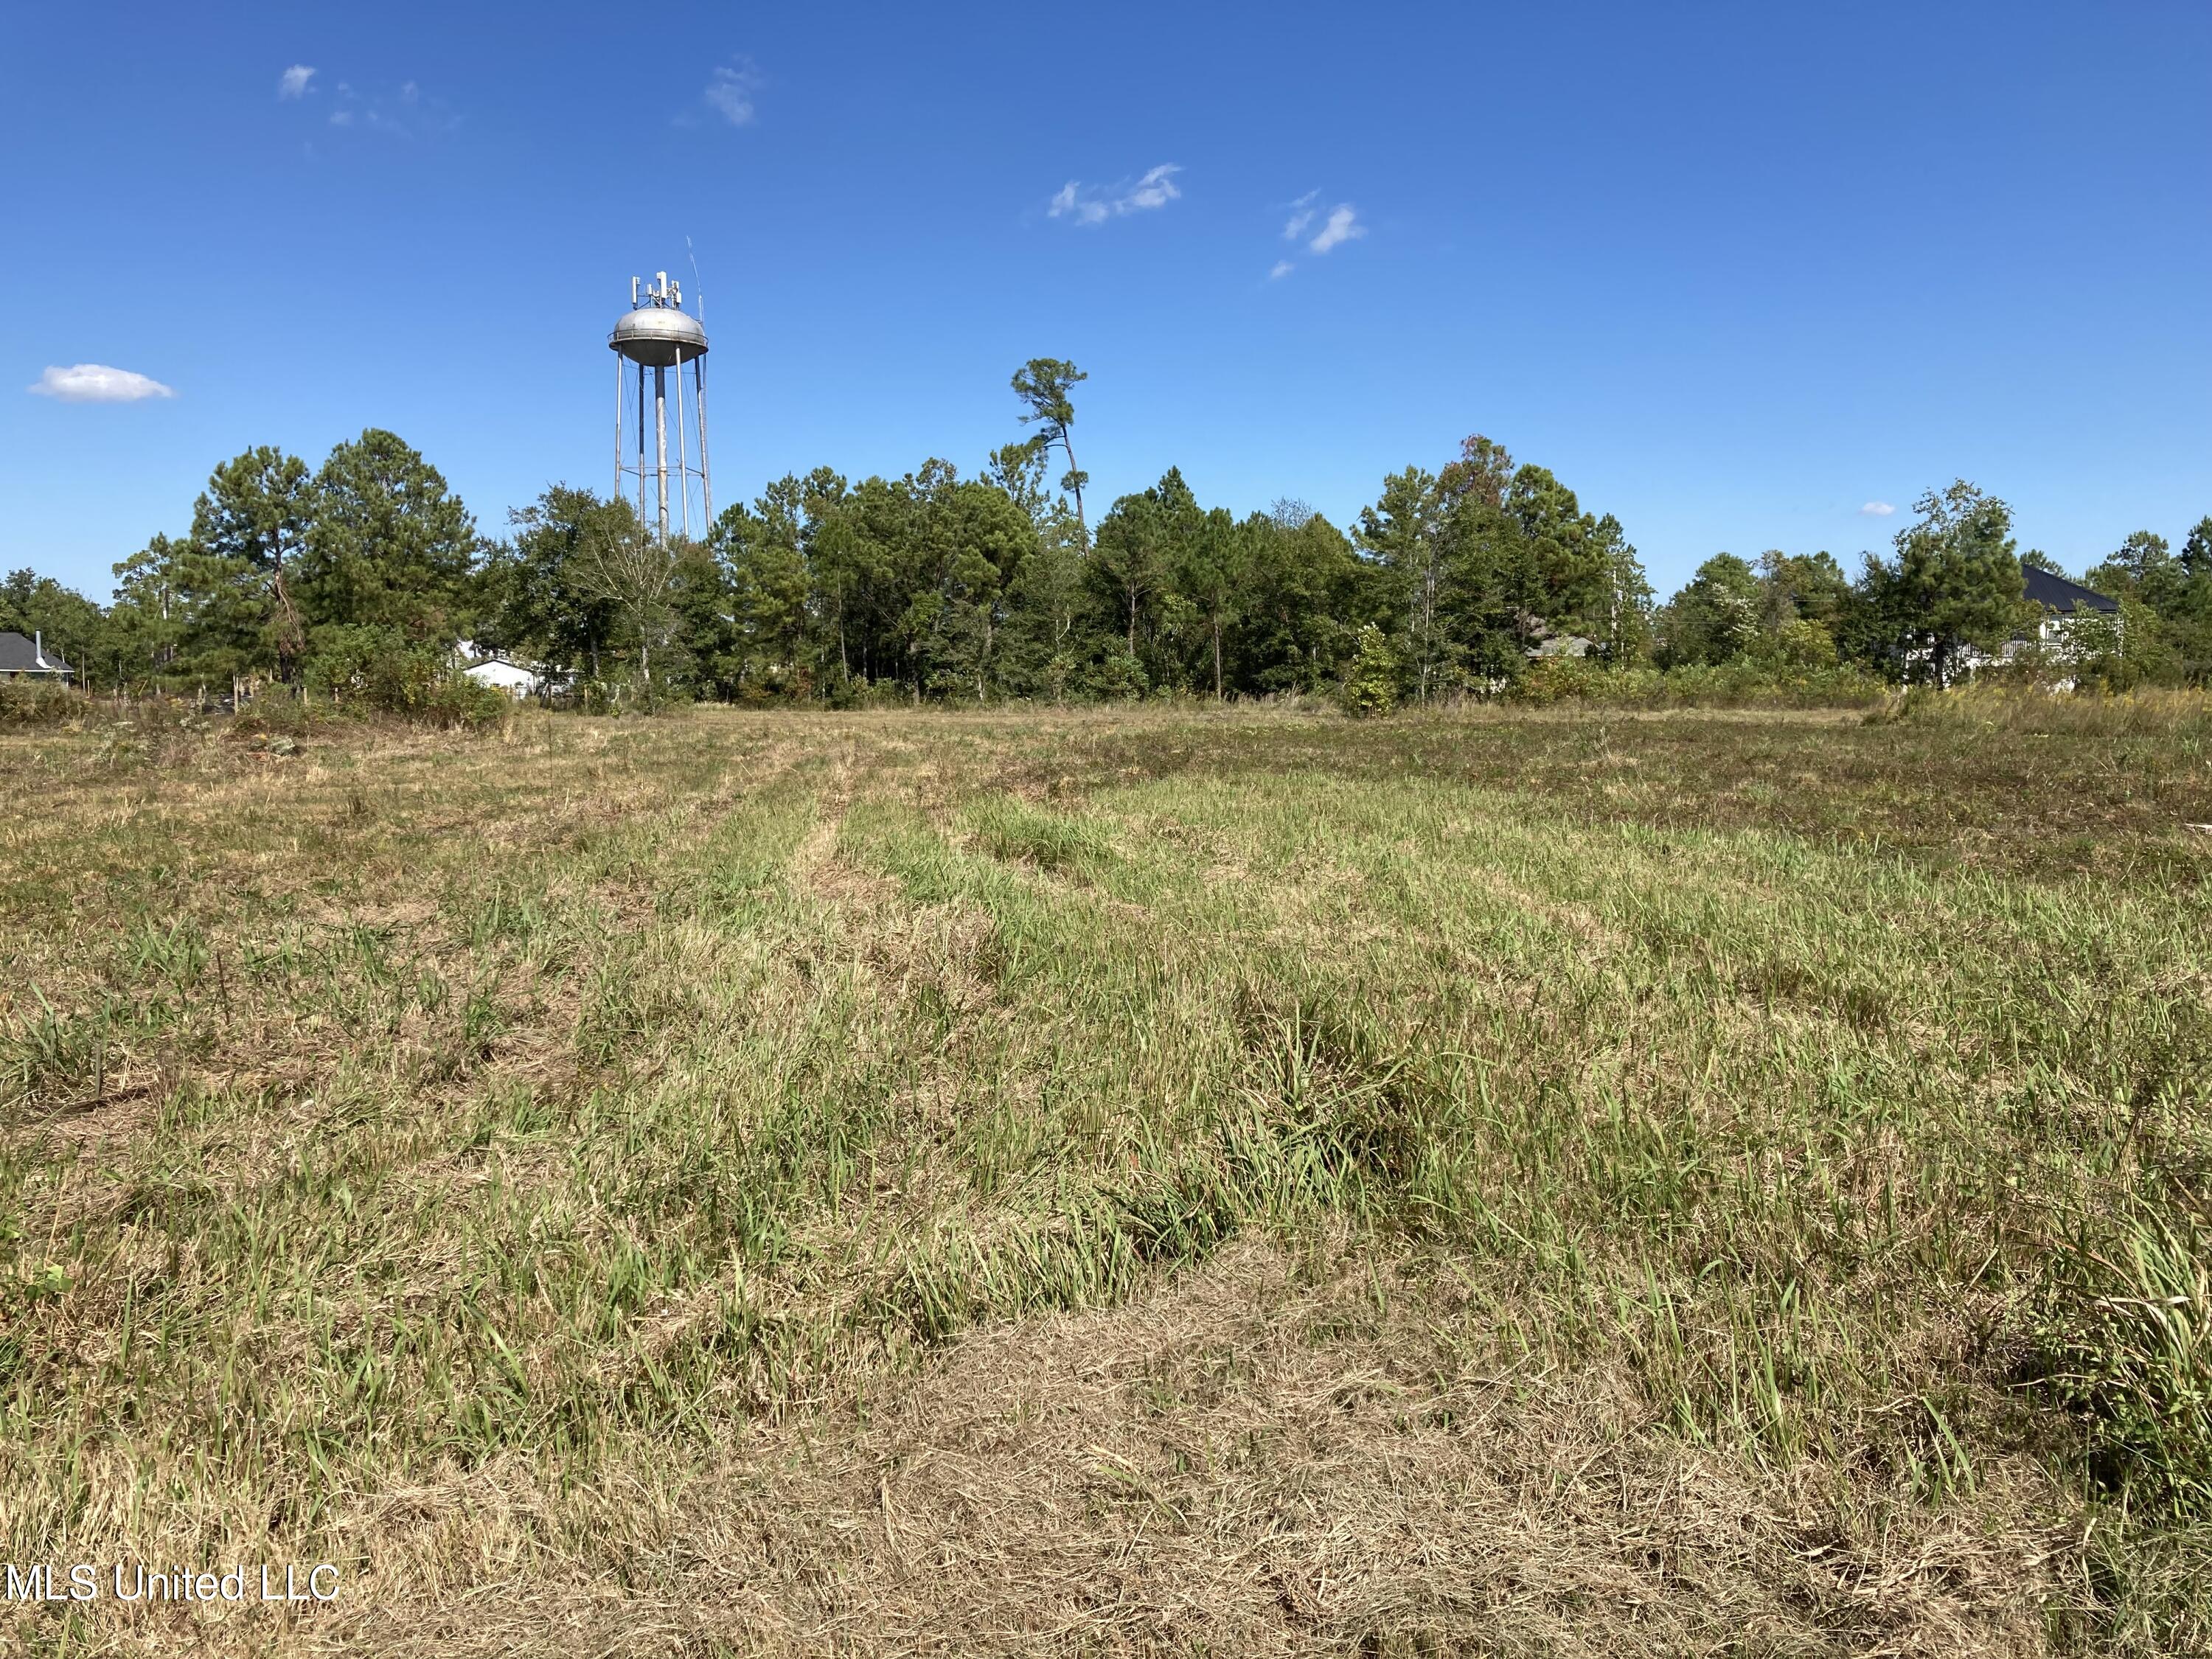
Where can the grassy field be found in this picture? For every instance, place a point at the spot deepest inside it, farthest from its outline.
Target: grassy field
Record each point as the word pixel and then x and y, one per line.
pixel 1224 1183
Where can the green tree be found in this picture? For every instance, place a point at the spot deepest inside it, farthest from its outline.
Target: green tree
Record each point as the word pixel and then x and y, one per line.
pixel 1958 577
pixel 1303 603
pixel 885 520
pixel 2144 569
pixel 1212 574
pixel 2118 651
pixel 535 601
pixel 2165 608
pixel 1716 618
pixel 971 539
pixel 1486 584
pixel 705 659
pixel 1567 589
pixel 626 567
pixel 763 557
pixel 1019 469
pixel 1180 617
pixel 388 544
pixel 1481 474
pixel 2188 622
pixel 1130 561
pixel 1518 560
pixel 2196 550
pixel 225 607
pixel 1623 631
pixel 1402 531
pixel 1797 586
pixel 1875 629
pixel 146 621
pixel 850 576
pixel 1042 384
pixel 250 526
pixel 1048 612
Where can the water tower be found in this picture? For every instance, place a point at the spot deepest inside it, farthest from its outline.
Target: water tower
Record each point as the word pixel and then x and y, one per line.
pixel 655 335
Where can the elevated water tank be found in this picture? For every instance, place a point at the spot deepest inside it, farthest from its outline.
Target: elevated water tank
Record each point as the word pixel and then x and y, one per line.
pixel 659 336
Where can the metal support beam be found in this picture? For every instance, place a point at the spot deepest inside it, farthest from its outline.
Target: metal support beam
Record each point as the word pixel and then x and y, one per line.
pixel 706 473
pixel 683 459
pixel 660 438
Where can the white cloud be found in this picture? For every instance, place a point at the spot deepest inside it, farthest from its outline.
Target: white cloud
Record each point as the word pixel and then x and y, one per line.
pixel 96 383
pixel 1283 268
pixel 1876 510
pixel 1302 215
pixel 1068 201
pixel 1343 226
pixel 1155 190
pixel 292 83
pixel 341 117
pixel 730 92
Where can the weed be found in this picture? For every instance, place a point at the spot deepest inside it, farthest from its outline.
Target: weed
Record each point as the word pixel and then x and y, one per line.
pixel 2123 1338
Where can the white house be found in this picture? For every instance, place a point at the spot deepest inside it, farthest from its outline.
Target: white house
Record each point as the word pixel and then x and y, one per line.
pixel 502 676
pixel 2062 606
pixel 510 679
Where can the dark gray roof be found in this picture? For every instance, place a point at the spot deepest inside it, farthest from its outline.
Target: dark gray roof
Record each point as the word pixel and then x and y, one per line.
pixel 19 655
pixel 2054 593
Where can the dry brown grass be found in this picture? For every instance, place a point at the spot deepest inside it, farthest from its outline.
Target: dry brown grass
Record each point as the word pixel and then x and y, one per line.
pixel 1275 1454
pixel 1081 1183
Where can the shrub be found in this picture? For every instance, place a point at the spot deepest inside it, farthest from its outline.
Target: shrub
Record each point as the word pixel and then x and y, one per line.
pixel 275 710
pixel 1738 684
pixel 1120 677
pixel 1560 679
pixel 1801 643
pixel 379 670
pixel 1370 684
pixel 31 703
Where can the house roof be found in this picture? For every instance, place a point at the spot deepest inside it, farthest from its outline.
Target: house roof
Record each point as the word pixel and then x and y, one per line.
pixel 20 655
pixel 2054 593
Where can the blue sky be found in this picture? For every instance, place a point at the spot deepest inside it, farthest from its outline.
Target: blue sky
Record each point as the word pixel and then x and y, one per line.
pixel 1733 273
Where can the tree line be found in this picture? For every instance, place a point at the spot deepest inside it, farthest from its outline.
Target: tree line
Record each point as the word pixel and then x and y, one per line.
pixel 366 571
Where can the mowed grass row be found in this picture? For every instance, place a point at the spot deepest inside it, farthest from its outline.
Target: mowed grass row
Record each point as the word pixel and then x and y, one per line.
pixel 561 1105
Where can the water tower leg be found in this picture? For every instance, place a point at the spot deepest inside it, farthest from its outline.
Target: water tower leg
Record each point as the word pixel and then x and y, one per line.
pixel 706 473
pixel 618 404
pixel 640 449
pixel 683 459
pixel 660 429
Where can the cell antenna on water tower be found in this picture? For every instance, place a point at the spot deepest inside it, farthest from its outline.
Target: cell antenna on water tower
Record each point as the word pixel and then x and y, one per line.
pixel 656 333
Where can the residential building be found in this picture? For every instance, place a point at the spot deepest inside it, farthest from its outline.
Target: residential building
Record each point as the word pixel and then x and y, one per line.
pixel 31 659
